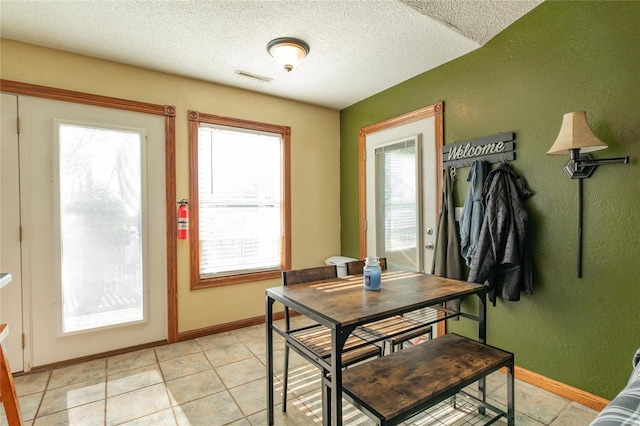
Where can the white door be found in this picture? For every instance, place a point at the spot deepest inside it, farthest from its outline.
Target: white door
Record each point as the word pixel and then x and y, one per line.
pixel 93 190
pixel 402 199
pixel 11 295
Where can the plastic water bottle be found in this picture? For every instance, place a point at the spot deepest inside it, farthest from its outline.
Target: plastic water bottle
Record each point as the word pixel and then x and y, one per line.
pixel 372 273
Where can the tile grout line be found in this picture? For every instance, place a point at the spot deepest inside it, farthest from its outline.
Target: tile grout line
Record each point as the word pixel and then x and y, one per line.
pixel 227 389
pixel 166 388
pixel 44 392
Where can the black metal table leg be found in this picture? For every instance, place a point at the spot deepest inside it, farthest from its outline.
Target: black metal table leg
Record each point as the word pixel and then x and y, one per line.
pixel 511 403
pixel 269 356
pixel 339 337
pixel 482 337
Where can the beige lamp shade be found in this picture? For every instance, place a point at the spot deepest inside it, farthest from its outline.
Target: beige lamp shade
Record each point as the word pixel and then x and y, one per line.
pixel 575 133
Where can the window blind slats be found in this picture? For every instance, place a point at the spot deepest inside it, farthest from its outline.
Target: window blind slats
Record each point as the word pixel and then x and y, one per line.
pixel 399 192
pixel 239 180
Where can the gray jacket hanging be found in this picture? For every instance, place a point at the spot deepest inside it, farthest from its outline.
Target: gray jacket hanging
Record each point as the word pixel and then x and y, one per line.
pixel 447 261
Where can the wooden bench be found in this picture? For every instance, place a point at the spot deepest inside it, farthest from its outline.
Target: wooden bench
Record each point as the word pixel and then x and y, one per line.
pixel 393 388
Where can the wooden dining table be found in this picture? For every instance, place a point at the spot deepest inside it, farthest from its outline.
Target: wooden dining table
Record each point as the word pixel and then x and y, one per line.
pixel 342 305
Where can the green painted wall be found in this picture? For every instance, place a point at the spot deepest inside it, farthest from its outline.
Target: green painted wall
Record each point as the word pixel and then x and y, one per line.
pixel 561 57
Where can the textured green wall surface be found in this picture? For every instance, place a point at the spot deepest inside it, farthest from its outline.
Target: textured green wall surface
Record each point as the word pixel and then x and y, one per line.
pixel 561 57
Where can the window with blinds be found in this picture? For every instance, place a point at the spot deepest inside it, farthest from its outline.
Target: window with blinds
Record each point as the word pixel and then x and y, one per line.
pixel 398 201
pixel 241 214
pixel 239 201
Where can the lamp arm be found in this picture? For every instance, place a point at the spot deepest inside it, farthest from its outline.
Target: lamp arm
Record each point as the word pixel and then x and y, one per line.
pixel 581 166
pixel 602 161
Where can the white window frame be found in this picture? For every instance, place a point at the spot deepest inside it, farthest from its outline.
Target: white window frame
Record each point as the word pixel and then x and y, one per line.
pixel 57 222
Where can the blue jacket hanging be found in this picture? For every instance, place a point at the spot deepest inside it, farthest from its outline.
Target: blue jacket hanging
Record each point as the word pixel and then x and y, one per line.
pixel 473 210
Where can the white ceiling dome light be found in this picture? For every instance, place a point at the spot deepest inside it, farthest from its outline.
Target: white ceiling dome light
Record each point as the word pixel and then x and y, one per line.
pixel 288 51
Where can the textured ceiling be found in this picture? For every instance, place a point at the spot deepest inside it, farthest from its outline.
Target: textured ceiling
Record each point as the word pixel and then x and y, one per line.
pixel 358 47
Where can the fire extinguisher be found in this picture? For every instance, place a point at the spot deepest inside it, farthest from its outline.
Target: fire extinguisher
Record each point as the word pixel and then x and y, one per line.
pixel 183 219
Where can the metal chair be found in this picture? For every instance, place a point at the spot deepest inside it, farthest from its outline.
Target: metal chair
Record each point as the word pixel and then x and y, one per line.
pixel 316 337
pixel 390 326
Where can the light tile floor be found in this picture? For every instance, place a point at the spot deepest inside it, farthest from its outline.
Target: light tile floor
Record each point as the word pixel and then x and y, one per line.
pixel 220 380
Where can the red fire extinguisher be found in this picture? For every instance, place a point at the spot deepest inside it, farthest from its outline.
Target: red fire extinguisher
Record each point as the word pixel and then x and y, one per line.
pixel 183 219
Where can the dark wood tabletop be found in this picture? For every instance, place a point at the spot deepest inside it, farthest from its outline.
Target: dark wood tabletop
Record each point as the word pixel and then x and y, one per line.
pixel 344 301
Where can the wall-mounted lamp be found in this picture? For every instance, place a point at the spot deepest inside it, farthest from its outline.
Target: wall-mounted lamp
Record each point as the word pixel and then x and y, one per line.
pixel 288 51
pixel 576 139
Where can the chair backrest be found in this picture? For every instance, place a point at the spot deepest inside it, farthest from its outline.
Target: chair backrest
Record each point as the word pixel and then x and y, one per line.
pixel 298 276
pixel 356 267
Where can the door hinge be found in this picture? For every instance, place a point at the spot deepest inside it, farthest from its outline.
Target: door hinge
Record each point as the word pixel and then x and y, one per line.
pixel 18 125
pixel 23 340
pixel 20 234
pixel 365 225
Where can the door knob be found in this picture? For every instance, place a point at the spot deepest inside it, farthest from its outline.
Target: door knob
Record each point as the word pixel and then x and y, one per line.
pixel 429 246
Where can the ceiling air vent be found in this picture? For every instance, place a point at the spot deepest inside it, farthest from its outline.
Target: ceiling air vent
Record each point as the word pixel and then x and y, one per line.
pixel 254 76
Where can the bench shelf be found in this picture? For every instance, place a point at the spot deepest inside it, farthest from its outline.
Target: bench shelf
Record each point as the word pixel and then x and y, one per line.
pixel 393 388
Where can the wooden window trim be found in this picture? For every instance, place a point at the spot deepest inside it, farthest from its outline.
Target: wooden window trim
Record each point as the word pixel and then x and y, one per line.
pixel 195 118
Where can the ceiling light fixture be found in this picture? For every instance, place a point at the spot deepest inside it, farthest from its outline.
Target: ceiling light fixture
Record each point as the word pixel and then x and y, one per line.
pixel 288 51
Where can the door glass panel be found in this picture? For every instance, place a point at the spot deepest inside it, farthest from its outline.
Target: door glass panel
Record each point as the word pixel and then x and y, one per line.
pixel 100 225
pixel 397 204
